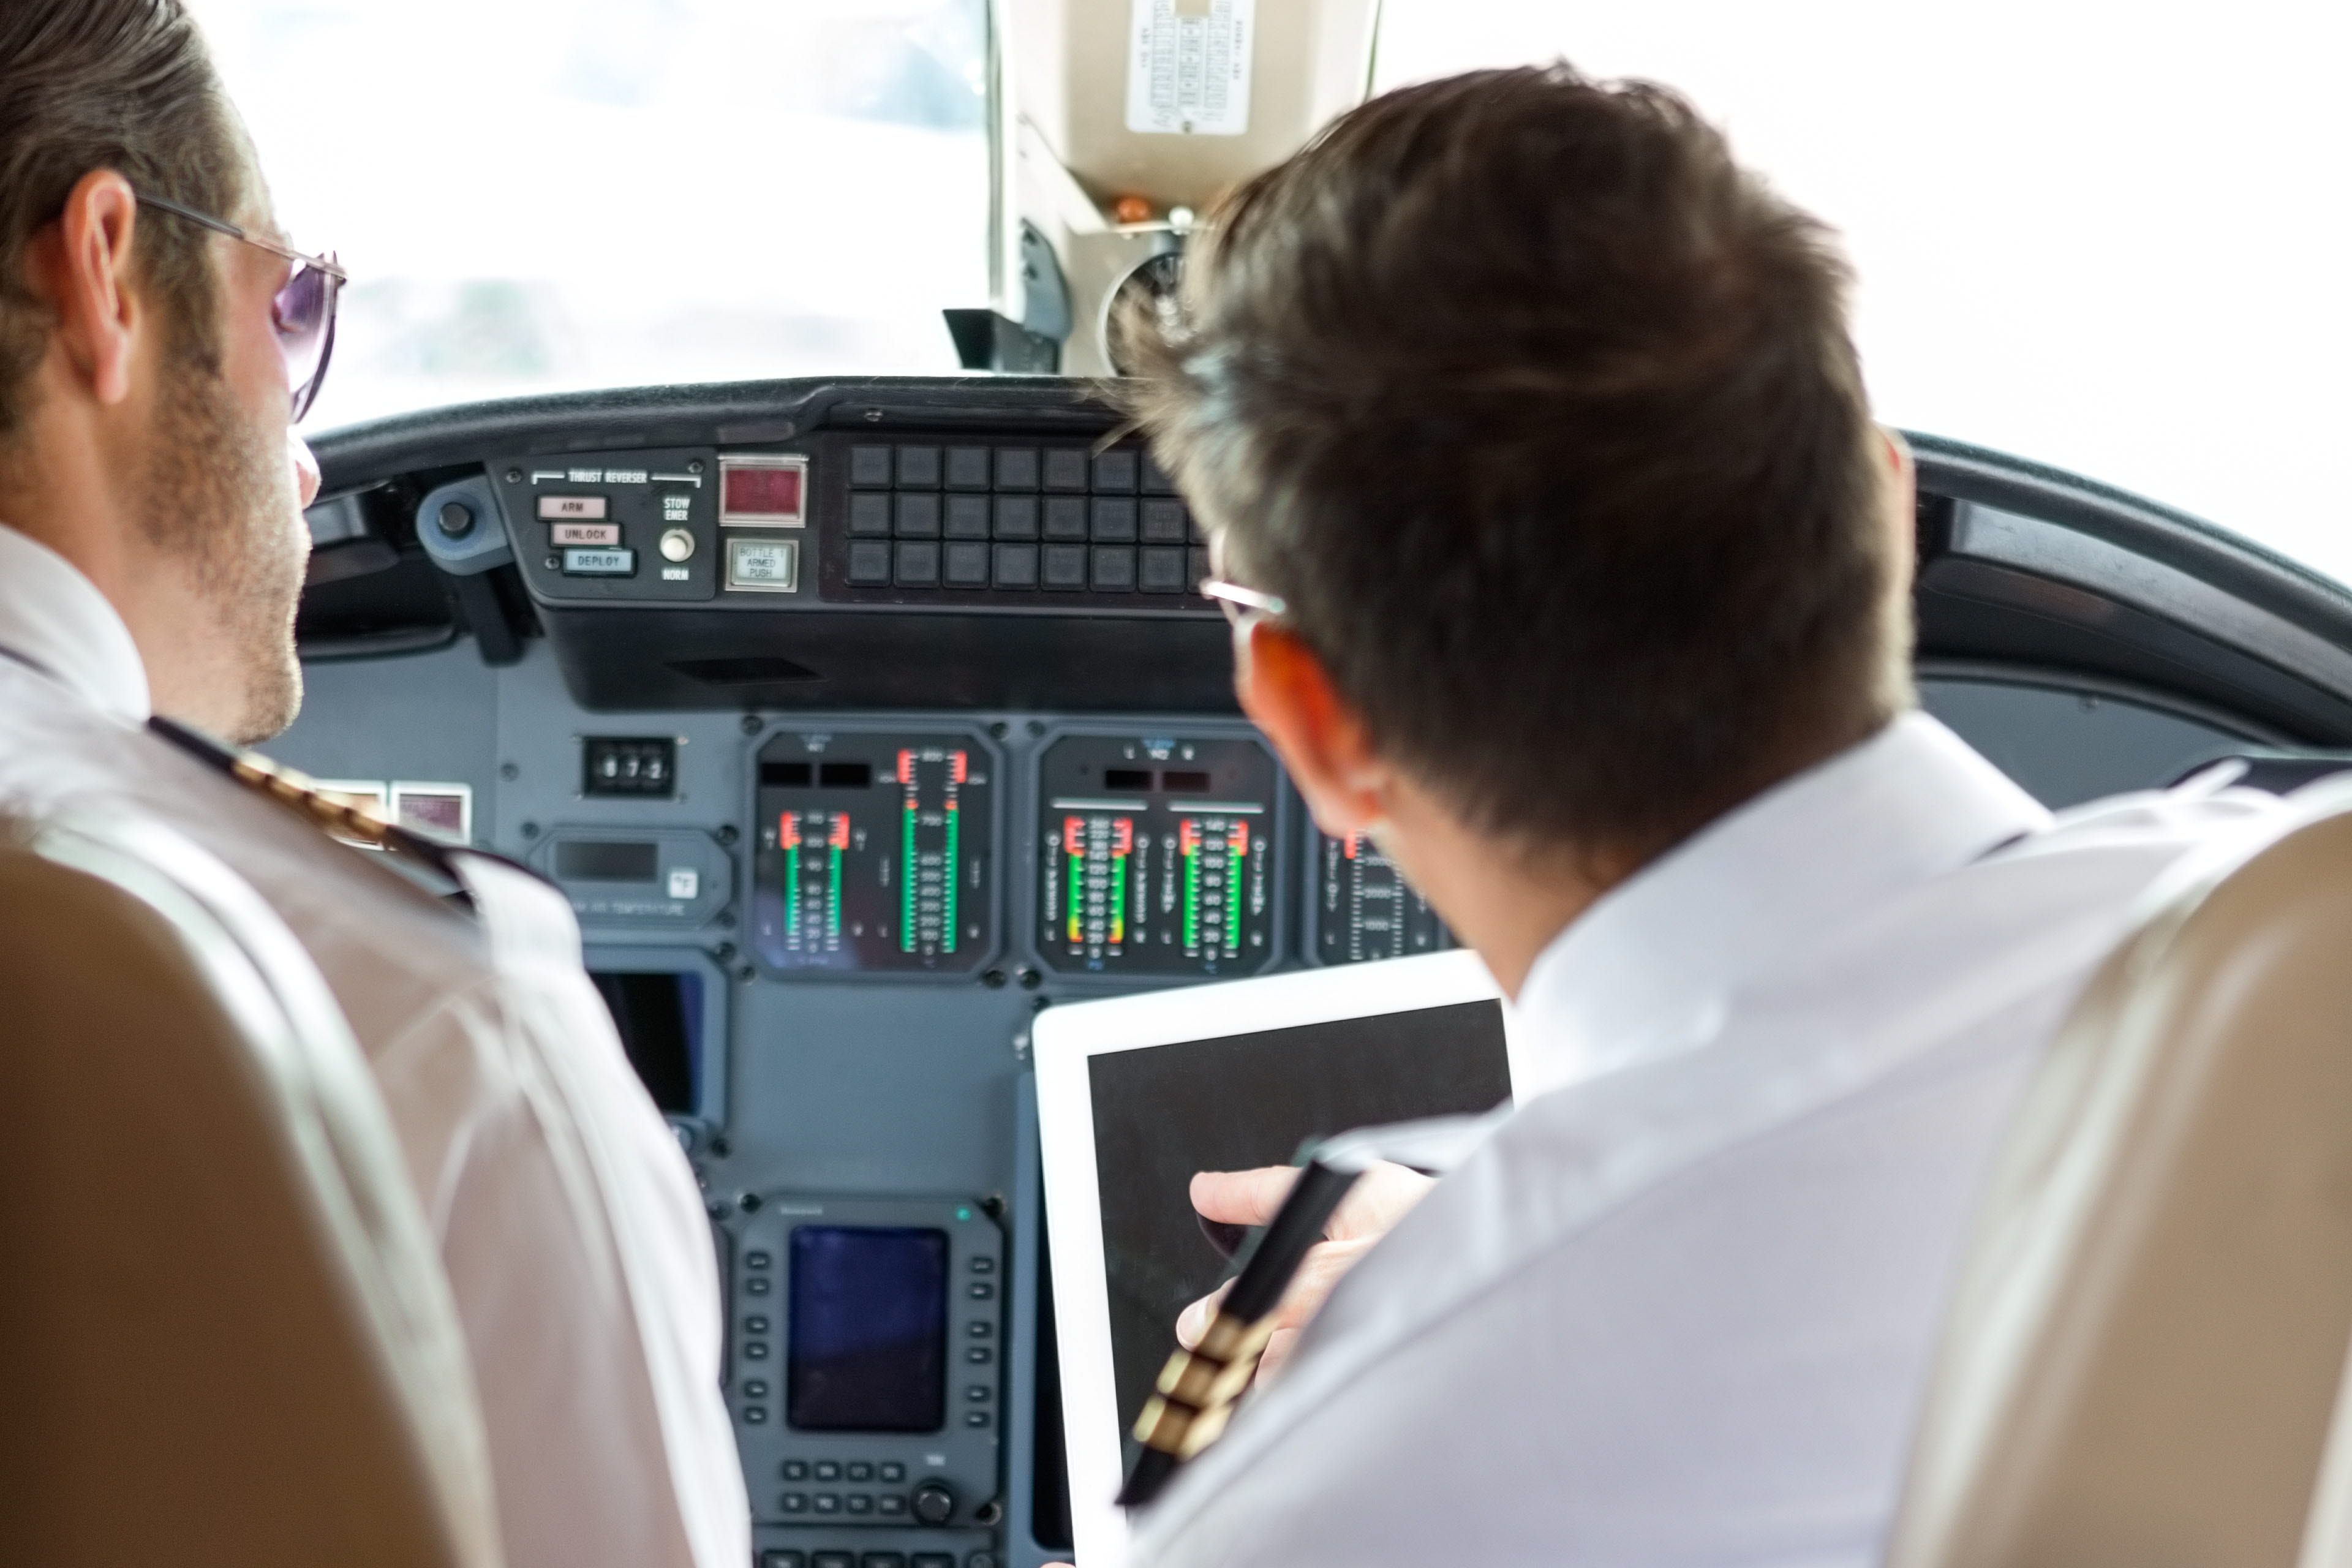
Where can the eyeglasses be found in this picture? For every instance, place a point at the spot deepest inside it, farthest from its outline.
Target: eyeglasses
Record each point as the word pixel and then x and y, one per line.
pixel 1239 603
pixel 303 310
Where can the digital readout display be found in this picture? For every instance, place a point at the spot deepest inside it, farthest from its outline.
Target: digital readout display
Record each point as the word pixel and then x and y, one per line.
pixel 761 490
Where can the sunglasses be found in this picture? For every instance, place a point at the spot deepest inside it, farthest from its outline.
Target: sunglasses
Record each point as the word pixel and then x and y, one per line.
pixel 303 310
pixel 1241 603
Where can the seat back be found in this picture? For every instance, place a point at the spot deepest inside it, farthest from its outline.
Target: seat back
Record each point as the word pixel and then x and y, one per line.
pixel 226 1339
pixel 2143 1354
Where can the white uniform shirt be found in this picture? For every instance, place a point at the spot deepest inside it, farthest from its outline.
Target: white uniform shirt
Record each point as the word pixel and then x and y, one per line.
pixel 575 1240
pixel 1680 1309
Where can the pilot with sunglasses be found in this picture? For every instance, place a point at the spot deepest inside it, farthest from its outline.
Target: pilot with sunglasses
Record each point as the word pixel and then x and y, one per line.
pixel 158 341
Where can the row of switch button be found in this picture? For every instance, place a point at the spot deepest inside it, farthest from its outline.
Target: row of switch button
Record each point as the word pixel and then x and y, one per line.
pixel 926 468
pixel 792 1557
pixel 1107 568
pixel 886 1505
pixel 1105 520
pixel 834 1471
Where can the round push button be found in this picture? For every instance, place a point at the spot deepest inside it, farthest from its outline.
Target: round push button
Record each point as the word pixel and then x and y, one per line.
pixel 457 520
pixel 677 544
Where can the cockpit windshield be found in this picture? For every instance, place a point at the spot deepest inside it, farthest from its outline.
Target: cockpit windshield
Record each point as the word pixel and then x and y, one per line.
pixel 537 196
pixel 2116 248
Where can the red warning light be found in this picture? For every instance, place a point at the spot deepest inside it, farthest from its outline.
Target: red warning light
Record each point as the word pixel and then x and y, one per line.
pixel 760 491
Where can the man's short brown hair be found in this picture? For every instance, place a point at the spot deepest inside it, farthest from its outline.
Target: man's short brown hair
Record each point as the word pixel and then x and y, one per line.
pixel 1543 417
pixel 110 84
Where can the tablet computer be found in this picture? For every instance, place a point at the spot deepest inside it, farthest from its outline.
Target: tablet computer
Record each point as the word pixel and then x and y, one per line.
pixel 1136 1093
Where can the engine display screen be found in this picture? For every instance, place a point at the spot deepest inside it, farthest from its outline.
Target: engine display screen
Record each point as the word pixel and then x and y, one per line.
pixel 1158 856
pixel 874 854
pixel 868 1333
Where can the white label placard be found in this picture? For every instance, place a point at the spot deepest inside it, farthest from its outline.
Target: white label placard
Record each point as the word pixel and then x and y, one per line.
pixel 1188 67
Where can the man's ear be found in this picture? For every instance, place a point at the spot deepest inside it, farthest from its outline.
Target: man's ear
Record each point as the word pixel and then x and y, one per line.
pixel 81 267
pixel 1285 690
pixel 1902 493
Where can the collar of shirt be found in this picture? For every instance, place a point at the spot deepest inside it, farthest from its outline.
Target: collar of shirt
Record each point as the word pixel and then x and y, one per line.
pixel 1646 968
pixel 56 619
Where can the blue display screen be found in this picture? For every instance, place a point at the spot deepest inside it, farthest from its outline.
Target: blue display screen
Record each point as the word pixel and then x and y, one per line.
pixel 869 1329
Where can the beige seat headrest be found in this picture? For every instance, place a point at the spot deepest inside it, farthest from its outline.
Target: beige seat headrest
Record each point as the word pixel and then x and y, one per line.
pixel 2143 1357
pixel 225 1340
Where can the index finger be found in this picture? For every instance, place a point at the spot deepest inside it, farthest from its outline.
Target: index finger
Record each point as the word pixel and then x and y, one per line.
pixel 1242 1197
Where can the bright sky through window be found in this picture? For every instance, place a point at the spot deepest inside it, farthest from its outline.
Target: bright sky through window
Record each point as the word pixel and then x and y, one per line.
pixel 2110 237
pixel 540 195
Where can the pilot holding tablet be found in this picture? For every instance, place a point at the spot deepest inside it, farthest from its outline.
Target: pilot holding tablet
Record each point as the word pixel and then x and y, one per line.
pixel 1564 557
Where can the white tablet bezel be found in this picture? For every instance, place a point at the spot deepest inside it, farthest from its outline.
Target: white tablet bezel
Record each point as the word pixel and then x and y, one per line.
pixel 1065 1039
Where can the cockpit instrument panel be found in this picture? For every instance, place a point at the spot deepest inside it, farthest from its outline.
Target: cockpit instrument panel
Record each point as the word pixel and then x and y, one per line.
pixel 1156 855
pixel 1363 909
pixel 874 852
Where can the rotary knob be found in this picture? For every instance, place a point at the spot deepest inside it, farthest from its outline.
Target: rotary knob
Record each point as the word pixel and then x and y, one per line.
pixel 934 1503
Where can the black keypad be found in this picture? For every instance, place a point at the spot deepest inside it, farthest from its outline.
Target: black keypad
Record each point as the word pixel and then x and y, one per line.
pixel 832 1559
pixel 918 517
pixel 883 1560
pixel 1016 516
pixel 1016 468
pixel 861 1472
pixel 971 1418
pixel 894 1472
pixel 983 1266
pixel 932 1560
pixel 1016 565
pixel 795 1470
pixel 917 565
pixel 1162 571
pixel 890 1505
pixel 792 1503
pixel 1114 572
pixel 755 1350
pixel 1114 521
pixel 977 1394
pixel 760 1286
pixel 919 467
pixel 979 1331
pixel 860 1503
pixel 968 467
pixel 826 1502
pixel 967 516
pixel 972 518
pixel 1065 468
pixel 978 1355
pixel 1163 521
pixel 783 1559
pixel 757 1260
pixel 826 1471
pixel 755 1325
pixel 755 1415
pixel 755 1389
pixel 1115 472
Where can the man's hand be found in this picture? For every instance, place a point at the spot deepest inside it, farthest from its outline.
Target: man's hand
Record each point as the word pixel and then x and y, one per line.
pixel 1385 1195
